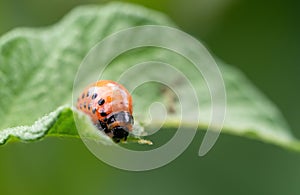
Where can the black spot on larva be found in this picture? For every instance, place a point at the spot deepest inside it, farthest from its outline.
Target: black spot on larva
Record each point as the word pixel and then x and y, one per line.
pixel 89 106
pixel 84 104
pixel 94 110
pixel 111 120
pixel 82 96
pixel 94 95
pixel 103 125
pixel 88 94
pixel 102 113
pixel 101 101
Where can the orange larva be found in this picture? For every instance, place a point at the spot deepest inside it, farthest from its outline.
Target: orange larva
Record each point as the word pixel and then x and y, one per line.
pixel 109 105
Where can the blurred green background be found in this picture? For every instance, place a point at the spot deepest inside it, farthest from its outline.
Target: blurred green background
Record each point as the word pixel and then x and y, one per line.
pixel 259 37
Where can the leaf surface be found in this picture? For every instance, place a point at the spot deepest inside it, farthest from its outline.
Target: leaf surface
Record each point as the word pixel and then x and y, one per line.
pixel 38 68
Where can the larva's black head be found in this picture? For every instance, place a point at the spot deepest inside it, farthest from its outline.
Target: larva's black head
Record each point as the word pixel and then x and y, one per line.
pixel 119 124
pixel 119 133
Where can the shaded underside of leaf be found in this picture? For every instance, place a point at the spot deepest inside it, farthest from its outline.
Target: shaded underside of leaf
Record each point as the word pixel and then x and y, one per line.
pixel 38 68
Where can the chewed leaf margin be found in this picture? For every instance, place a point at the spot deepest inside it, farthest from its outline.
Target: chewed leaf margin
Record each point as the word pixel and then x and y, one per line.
pixel 38 130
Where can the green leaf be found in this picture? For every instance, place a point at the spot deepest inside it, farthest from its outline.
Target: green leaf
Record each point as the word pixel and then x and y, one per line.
pixel 38 68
